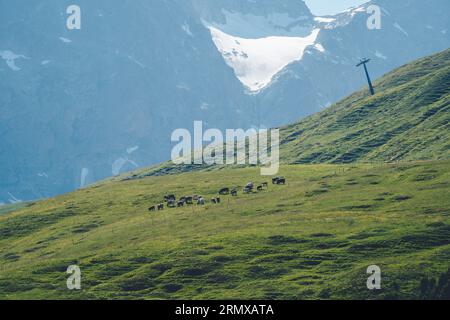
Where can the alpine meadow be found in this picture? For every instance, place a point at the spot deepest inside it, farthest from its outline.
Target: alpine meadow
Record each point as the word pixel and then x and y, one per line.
pixel 367 182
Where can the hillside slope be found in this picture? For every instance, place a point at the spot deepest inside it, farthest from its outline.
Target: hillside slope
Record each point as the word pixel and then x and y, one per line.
pixel 408 119
pixel 313 238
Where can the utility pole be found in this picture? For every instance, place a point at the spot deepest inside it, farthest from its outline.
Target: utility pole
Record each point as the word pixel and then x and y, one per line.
pixel 363 63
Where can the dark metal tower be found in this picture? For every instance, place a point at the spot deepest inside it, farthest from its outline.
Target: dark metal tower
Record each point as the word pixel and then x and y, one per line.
pixel 363 63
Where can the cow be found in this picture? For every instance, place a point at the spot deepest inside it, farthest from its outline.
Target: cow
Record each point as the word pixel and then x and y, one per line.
pixel 224 191
pixel 170 197
pixel 218 200
pixel 281 180
pixel 180 204
pixel 200 201
pixel 214 201
pixel 265 185
pixel 250 186
pixel 189 200
pixel 171 204
pixel 259 188
pixel 153 208
pixel 234 192
pixel 160 206
pixel 247 190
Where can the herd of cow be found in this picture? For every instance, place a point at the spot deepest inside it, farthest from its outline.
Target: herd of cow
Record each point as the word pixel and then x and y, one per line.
pixel 171 200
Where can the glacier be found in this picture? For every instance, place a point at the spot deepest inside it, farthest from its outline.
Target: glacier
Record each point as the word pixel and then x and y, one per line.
pixel 256 61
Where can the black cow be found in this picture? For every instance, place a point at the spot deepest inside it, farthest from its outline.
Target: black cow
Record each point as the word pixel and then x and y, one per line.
pixel 170 197
pixel 224 191
pixel 279 180
pixel 171 204
pixel 153 208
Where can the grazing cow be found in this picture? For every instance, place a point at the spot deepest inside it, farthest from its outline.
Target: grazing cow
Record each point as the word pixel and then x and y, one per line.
pixel 250 186
pixel 170 197
pixel 265 185
pixel 213 200
pixel 189 200
pixel 180 204
pixel 275 180
pixel 195 197
pixel 234 192
pixel 160 206
pixel 171 204
pixel 247 190
pixel 224 191
pixel 153 208
pixel 259 188
pixel 183 199
pixel 200 201
pixel 281 180
pixel 218 200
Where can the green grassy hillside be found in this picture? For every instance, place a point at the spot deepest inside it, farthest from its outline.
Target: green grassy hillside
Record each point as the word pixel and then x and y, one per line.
pixel 408 119
pixel 313 238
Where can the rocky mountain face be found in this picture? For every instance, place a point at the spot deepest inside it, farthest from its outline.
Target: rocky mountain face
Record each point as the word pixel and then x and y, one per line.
pixel 77 106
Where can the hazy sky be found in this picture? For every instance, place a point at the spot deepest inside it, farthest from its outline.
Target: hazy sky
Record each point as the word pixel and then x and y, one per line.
pixel 324 7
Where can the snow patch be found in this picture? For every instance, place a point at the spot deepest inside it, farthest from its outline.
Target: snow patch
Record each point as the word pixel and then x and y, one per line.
pixel 380 55
pixel 324 19
pixel 140 64
pixel 186 28
pixel 10 59
pixel 65 40
pixel 183 86
pixel 399 27
pixel 45 62
pixel 204 106
pixel 319 47
pixel 256 61
pixel 132 149
pixel 12 199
